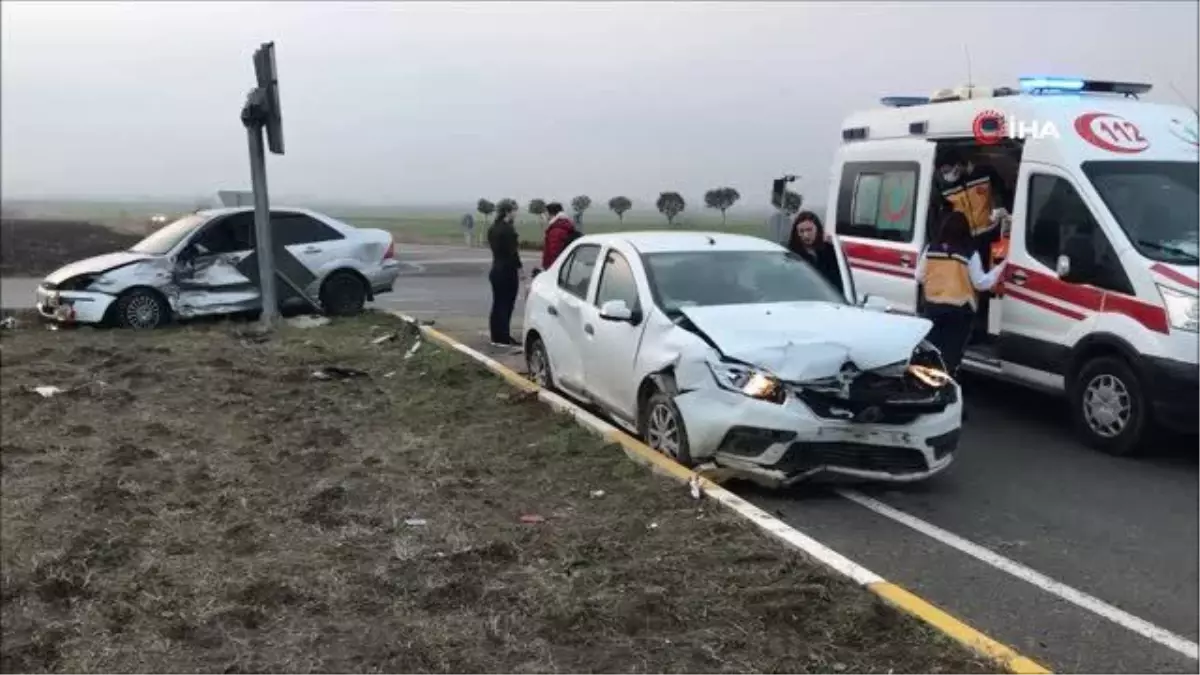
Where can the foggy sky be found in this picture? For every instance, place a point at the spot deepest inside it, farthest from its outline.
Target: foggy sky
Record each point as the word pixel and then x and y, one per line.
pixel 427 103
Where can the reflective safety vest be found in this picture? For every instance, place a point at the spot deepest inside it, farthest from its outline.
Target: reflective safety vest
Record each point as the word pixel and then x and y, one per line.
pixel 948 279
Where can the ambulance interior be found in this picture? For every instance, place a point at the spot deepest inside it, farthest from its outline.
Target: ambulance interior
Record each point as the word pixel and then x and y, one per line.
pixel 1005 158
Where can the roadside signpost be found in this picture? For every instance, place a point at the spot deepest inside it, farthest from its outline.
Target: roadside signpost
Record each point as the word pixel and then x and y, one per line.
pixel 779 223
pixel 262 113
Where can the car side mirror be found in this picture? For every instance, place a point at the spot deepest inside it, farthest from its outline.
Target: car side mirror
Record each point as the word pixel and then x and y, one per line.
pixel 616 310
pixel 875 303
pixel 1062 267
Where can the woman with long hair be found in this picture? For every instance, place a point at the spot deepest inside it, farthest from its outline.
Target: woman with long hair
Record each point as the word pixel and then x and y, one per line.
pixel 951 275
pixel 505 276
pixel 807 240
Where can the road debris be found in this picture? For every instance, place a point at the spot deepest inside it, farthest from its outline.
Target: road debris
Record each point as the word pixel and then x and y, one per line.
pixel 596 494
pixel 308 321
pixel 9 323
pixel 694 486
pixel 413 349
pixel 416 522
pixel 532 519
pixel 48 391
pixel 389 374
pixel 653 526
pixel 337 373
pixel 386 337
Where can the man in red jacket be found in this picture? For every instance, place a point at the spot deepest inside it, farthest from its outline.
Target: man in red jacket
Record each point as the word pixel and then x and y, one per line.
pixel 559 233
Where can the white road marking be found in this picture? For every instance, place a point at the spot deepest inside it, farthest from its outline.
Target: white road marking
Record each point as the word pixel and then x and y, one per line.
pixel 1074 596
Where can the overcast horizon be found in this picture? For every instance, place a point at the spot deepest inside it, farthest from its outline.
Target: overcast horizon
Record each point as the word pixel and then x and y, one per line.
pixel 441 103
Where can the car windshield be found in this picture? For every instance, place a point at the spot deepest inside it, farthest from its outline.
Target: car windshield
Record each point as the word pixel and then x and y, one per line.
pixel 166 238
pixel 1155 203
pixel 704 278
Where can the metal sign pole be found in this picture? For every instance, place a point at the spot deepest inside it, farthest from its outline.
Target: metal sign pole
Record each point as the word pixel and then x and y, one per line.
pixel 263 246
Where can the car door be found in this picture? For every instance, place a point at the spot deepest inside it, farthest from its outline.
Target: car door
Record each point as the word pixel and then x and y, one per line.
pixel 880 214
pixel 566 310
pixel 1042 316
pixel 210 270
pixel 610 347
pixel 305 248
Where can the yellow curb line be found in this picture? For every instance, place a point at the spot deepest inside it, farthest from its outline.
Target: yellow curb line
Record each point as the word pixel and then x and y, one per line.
pixel 638 451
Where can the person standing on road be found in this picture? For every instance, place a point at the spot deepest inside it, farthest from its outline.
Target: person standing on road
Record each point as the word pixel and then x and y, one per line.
pixel 468 225
pixel 809 242
pixel 950 272
pixel 505 276
pixel 560 232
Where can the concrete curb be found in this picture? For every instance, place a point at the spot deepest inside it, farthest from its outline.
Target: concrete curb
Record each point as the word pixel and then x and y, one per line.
pixel 641 453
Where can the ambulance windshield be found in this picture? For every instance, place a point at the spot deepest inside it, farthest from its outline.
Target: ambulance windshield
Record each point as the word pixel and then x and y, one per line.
pixel 1155 203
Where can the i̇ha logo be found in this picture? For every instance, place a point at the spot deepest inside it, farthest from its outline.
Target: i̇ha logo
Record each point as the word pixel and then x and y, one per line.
pixel 990 127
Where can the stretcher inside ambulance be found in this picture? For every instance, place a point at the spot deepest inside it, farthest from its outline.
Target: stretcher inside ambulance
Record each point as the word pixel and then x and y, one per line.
pixel 1089 193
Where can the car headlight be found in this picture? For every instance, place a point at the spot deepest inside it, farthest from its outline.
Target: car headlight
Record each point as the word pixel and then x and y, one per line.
pixel 1183 310
pixel 77 283
pixel 931 377
pixel 747 381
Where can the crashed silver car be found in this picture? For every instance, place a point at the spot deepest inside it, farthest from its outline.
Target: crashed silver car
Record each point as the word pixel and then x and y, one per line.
pixel 729 349
pixel 204 264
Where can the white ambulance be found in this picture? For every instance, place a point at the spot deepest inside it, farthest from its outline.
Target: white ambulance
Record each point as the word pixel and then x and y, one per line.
pixel 1099 299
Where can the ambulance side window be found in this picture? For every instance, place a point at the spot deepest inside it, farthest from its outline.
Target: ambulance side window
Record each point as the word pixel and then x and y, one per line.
pixel 1055 213
pixel 876 200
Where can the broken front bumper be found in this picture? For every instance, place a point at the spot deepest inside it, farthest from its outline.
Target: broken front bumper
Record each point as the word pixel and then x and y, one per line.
pixel 72 306
pixel 786 443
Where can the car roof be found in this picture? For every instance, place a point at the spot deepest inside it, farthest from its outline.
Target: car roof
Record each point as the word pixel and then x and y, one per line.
pixel 658 241
pixel 226 210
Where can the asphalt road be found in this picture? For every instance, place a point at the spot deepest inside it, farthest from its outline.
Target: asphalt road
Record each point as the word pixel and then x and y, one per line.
pixel 1085 562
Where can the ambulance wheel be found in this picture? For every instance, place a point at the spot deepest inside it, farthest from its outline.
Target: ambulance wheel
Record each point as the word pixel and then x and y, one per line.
pixel 1108 406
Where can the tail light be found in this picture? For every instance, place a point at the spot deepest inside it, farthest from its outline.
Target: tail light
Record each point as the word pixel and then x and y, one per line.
pixel 390 253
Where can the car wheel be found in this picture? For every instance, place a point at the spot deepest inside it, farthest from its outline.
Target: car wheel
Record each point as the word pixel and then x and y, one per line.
pixel 343 294
pixel 537 364
pixel 661 426
pixel 142 309
pixel 1108 407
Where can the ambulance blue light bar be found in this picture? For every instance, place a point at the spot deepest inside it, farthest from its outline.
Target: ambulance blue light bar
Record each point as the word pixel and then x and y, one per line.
pixel 1075 84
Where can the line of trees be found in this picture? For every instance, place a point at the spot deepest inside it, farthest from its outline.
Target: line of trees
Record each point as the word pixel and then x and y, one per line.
pixel 669 204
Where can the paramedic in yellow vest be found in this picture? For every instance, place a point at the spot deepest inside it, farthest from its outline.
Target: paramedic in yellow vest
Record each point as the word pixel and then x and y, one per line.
pixel 951 274
pixel 976 192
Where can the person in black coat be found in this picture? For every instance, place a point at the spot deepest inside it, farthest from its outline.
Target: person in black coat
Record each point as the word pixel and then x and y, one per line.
pixel 505 276
pixel 808 241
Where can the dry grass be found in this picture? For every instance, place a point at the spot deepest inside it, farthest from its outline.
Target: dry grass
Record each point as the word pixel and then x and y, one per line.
pixel 31 247
pixel 197 501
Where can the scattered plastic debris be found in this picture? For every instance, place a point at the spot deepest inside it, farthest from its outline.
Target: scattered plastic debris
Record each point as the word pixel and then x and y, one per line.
pixel 386 337
pixel 9 323
pixel 694 486
pixel 389 374
pixel 654 526
pixel 416 522
pixel 596 494
pixel 337 373
pixel 307 321
pixel 532 519
pixel 413 349
pixel 48 391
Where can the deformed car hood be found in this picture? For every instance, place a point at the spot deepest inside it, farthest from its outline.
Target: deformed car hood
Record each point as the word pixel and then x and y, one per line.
pixel 803 341
pixel 95 265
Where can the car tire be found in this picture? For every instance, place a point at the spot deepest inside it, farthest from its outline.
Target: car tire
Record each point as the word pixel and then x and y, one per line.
pixel 141 309
pixel 343 294
pixel 537 364
pixel 661 427
pixel 1108 406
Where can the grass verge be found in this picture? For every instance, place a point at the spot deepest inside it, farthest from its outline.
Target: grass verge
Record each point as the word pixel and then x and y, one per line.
pixel 196 500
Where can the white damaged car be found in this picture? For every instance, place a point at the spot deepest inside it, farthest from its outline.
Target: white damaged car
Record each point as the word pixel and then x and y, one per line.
pixel 728 349
pixel 204 264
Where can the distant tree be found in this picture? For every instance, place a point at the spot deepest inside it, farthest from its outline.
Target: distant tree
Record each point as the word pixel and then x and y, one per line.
pixel 619 205
pixel 721 199
pixel 510 203
pixel 580 204
pixel 792 201
pixel 486 208
pixel 537 207
pixel 670 204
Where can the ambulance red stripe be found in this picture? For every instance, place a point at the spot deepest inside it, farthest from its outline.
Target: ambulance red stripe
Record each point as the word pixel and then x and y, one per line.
pixel 1091 298
pixel 1173 275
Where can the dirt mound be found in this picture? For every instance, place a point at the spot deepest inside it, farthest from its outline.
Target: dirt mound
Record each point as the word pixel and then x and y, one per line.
pixel 33 247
